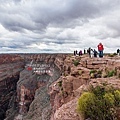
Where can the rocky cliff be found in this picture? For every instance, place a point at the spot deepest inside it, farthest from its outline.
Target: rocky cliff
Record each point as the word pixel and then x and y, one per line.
pixel 64 92
pixel 50 84
pixel 10 67
pixel 41 70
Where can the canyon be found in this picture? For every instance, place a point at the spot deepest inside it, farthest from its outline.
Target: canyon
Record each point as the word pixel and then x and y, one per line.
pixel 10 67
pixel 47 86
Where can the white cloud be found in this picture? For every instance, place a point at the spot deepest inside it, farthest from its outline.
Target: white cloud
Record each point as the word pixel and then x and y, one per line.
pixel 58 26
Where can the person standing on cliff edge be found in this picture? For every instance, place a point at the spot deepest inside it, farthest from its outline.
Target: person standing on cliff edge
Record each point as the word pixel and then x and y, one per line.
pixel 100 49
pixel 118 52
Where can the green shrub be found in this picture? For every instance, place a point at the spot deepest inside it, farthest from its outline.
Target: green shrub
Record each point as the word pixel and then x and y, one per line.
pixel 65 74
pixel 99 103
pixel 99 72
pixel 117 97
pixel 111 55
pixel 93 71
pixel 114 54
pixel 85 102
pixel 105 83
pixel 60 83
pixel 76 62
pixel 109 99
pixel 111 73
pixel 98 90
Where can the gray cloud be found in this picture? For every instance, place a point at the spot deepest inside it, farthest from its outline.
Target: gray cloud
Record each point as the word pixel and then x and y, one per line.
pixel 32 15
pixel 29 23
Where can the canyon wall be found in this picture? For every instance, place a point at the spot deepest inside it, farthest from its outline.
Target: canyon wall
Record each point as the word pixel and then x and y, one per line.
pixel 76 79
pixel 50 84
pixel 33 100
pixel 10 67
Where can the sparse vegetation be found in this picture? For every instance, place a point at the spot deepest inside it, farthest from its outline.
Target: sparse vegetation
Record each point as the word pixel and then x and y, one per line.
pixel 85 103
pixel 60 83
pixel 104 74
pixel 80 72
pixel 112 54
pixel 111 73
pixel 76 62
pixel 65 74
pixel 117 97
pixel 95 73
pixel 100 103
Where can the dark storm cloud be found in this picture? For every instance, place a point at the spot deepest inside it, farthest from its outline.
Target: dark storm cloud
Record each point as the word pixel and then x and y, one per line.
pixel 35 16
pixel 65 13
pixel 16 22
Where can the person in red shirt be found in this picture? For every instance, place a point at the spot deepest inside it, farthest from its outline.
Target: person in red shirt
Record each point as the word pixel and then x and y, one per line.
pixel 100 49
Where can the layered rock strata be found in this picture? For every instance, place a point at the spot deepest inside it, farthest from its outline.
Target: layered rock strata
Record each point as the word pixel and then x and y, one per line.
pixel 50 84
pixel 10 67
pixel 64 92
pixel 33 85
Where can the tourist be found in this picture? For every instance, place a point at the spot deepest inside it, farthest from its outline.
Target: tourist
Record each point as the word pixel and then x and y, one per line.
pixel 74 52
pixel 84 51
pixel 89 52
pixel 95 53
pixel 100 49
pixel 118 52
pixel 92 53
pixel 80 53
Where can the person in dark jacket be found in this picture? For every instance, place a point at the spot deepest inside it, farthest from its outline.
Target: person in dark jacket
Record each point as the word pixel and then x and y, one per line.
pixel 76 52
pixel 89 51
pixel 95 53
pixel 84 51
pixel 118 52
pixel 80 53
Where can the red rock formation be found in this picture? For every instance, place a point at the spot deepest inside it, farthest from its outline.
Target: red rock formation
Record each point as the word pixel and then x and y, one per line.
pixel 66 90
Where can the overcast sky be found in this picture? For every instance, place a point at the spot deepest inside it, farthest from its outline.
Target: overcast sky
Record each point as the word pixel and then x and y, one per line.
pixel 52 26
